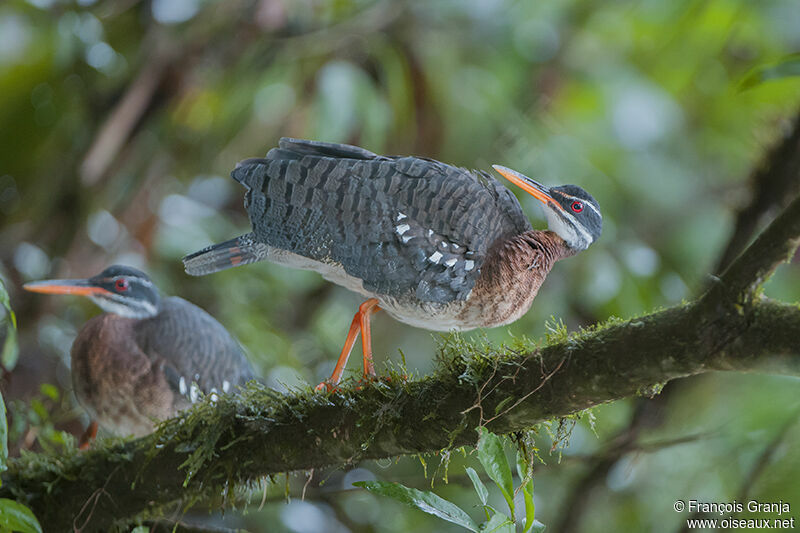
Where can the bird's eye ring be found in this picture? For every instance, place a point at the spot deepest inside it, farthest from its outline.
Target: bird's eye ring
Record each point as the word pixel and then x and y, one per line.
pixel 121 284
pixel 577 206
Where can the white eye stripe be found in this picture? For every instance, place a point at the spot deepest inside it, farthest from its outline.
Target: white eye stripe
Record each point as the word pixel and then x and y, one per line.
pixel 584 202
pixel 564 224
pixel 123 306
pixel 587 236
pixel 593 208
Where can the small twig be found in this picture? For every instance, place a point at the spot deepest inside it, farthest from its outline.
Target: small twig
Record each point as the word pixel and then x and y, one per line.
pixel 263 493
pixel 93 499
pixel 479 400
pixel 545 379
pixel 310 475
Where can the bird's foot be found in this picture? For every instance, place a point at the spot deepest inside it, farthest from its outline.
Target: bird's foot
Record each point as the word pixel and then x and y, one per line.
pixel 402 378
pixel 326 386
pixel 88 436
pixel 366 380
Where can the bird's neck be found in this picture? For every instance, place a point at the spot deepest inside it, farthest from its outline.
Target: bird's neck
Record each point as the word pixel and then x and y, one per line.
pixel 512 273
pixel 531 253
pixel 548 243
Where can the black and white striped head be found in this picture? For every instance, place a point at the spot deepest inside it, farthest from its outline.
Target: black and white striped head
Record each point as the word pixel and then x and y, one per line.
pixel 121 290
pixel 571 212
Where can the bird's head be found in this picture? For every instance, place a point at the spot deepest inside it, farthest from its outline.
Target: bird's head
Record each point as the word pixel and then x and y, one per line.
pixel 121 290
pixel 571 212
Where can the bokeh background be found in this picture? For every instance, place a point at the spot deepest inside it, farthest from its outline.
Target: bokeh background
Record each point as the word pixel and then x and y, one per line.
pixel 121 119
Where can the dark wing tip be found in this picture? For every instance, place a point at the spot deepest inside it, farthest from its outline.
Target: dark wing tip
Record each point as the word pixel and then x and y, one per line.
pixel 303 147
pixel 243 168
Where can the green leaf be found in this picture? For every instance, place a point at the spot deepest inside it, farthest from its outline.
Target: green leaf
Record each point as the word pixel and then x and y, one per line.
pixel 493 458
pixel 423 500
pixel 536 527
pixel 527 492
pixel 10 351
pixel 480 488
pixel 787 67
pixel 3 435
pixel 499 523
pixel 49 390
pixel 16 517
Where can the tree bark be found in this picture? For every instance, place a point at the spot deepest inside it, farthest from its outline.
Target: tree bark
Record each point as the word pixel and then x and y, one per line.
pixel 205 451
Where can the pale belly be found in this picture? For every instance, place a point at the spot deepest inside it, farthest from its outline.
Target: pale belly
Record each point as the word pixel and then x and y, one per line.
pixel 461 315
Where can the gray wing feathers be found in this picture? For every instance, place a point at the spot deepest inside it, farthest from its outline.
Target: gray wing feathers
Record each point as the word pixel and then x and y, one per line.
pixel 194 347
pixel 295 148
pixel 241 250
pixel 403 225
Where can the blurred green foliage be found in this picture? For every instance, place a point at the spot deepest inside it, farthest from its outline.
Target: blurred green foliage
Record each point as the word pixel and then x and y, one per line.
pixel 120 120
pixel 491 454
pixel 14 516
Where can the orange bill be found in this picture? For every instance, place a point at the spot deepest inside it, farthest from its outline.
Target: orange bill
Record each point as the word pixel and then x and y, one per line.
pixel 64 286
pixel 534 188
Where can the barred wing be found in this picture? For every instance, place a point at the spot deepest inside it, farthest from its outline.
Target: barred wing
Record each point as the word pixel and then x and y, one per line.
pixel 403 225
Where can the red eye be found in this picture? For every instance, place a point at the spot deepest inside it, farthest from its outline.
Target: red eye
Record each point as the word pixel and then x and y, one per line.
pixel 121 285
pixel 577 206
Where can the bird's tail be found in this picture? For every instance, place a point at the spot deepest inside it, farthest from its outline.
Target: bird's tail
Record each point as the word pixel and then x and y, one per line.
pixel 239 251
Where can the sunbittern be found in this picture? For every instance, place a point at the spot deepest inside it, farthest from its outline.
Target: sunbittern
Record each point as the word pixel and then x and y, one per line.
pixel 146 357
pixel 436 246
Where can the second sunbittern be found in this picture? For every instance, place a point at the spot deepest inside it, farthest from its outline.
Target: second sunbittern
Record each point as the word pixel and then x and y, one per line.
pixel 146 357
pixel 436 246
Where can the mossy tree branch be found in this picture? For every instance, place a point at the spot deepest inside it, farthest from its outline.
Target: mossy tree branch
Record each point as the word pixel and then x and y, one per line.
pixel 243 438
pixel 774 183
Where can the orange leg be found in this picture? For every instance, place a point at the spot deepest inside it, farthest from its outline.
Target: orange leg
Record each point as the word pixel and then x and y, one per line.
pixel 88 436
pixel 360 324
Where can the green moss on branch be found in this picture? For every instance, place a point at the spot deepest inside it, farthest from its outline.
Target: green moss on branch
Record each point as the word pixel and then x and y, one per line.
pixel 240 439
pixel 243 438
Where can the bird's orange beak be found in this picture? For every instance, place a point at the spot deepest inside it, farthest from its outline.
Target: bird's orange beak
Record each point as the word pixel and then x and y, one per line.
pixel 81 287
pixel 532 187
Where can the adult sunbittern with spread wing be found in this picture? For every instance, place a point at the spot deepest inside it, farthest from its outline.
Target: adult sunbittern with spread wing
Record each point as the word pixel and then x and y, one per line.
pixel 146 357
pixel 436 246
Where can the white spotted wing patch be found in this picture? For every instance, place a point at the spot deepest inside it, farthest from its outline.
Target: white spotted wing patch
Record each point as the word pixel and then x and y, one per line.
pixel 194 392
pixel 189 389
pixel 444 266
